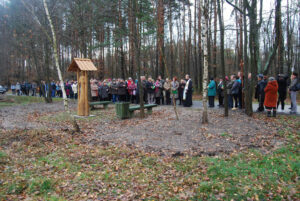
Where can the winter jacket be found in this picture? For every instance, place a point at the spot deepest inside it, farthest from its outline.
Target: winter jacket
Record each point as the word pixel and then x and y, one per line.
pixel 271 94
pixel 150 87
pixel 293 84
pixel 131 88
pixel 282 87
pixel 122 89
pixel 167 86
pixel 211 88
pixel 220 89
pixel 103 91
pixel 158 89
pixel 229 86
pixel 114 88
pixel 235 87
pixel 18 86
pixel 181 89
pixel 74 88
pixel 260 88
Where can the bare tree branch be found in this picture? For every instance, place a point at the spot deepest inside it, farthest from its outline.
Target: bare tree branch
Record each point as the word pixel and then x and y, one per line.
pixel 235 6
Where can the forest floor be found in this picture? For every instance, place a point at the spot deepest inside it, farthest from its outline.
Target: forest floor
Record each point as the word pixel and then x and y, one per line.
pixel 158 158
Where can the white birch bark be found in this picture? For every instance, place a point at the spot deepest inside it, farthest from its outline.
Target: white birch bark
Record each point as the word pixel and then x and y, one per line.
pixel 205 66
pixel 65 99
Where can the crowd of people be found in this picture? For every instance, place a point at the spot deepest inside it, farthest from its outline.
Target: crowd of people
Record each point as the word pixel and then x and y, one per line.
pixel 43 89
pixel 269 92
pixel 157 91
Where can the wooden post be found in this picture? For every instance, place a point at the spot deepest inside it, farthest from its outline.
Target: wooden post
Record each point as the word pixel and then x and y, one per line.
pixel 80 110
pixel 85 95
pixel 82 66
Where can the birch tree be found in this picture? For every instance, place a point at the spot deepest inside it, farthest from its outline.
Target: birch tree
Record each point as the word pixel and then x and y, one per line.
pixel 54 44
pixel 205 55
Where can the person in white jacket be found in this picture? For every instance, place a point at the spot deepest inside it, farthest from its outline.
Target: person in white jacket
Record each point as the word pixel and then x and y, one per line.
pixel 75 89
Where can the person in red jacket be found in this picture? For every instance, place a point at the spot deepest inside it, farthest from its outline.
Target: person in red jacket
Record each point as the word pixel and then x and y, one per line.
pixel 271 96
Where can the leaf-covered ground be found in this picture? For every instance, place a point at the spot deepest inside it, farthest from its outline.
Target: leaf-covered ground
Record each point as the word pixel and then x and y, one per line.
pixel 239 158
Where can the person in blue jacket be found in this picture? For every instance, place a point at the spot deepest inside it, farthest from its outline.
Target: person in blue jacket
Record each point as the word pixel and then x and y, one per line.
pixel 211 93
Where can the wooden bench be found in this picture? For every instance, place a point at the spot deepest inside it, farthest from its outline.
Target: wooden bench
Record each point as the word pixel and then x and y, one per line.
pixel 137 107
pixel 104 103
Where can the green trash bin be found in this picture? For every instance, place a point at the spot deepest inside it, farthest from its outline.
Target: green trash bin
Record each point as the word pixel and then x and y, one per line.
pixel 122 110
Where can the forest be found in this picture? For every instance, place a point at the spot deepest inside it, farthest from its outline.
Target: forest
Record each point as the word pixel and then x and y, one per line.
pixel 165 36
pixel 66 140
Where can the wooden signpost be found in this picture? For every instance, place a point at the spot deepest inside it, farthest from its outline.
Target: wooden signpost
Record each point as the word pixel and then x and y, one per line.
pixel 81 67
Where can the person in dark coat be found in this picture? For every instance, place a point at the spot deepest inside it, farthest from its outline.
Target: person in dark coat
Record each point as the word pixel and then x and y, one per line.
pixel 188 92
pixel 180 91
pixel 229 86
pixel 282 90
pixel 260 93
pixel 150 86
pixel 122 90
pixel 114 90
pixel 220 91
pixel 235 91
pixel 103 92
pixel 53 89
pixel 293 89
pixel 158 91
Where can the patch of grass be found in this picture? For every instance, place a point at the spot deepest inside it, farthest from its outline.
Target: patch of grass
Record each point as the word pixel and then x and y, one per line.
pixel 54 198
pixel 17 187
pixel 23 100
pixel 3 158
pixel 3 155
pixel 253 175
pixel 41 186
pixel 224 134
pixel 149 162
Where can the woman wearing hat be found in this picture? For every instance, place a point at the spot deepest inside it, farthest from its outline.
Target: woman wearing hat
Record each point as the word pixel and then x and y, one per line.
pixel 271 96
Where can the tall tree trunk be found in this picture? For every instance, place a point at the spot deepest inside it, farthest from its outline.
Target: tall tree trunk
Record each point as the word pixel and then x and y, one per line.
pixel 215 41
pixel 209 42
pixel 272 53
pixel 248 95
pixel 66 105
pixel 172 62
pixel 47 93
pixel 289 41
pixel 200 61
pixel 137 55
pixel 221 25
pixel 189 40
pixel 205 55
pixel 160 36
pixel 195 71
pixel 279 33
pixel 184 41
pixel 132 68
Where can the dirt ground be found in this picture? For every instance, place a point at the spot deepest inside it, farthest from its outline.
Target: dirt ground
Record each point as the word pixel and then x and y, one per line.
pixel 159 132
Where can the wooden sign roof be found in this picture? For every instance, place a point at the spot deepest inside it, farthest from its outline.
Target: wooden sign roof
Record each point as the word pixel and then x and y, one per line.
pixel 82 65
